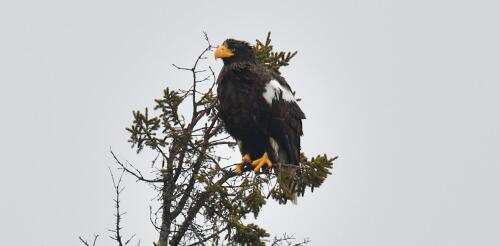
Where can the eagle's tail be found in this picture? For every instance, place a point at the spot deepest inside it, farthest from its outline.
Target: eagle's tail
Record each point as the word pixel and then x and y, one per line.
pixel 288 184
pixel 289 158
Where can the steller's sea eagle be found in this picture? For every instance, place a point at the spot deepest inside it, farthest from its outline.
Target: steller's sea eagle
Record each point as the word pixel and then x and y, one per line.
pixel 258 108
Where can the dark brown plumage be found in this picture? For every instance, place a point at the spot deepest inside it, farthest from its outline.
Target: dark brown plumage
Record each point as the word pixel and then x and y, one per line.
pixel 257 107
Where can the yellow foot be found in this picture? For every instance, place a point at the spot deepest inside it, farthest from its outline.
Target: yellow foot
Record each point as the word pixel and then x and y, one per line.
pixel 259 163
pixel 245 160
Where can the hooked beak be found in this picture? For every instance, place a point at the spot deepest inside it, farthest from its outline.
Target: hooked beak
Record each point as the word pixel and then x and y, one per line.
pixel 223 52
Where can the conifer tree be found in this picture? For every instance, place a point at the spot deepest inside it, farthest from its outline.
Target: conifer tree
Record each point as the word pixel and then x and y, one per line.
pixel 202 200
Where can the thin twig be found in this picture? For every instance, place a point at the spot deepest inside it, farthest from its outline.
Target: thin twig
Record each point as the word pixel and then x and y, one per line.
pixel 87 243
pixel 135 172
pixel 118 215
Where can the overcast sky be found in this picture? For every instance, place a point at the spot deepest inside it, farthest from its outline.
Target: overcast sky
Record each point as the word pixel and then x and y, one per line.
pixel 407 93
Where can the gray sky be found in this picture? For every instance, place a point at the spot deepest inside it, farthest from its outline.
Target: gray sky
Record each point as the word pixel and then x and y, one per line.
pixel 407 93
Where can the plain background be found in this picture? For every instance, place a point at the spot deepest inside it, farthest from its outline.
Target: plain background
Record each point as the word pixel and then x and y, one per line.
pixel 406 92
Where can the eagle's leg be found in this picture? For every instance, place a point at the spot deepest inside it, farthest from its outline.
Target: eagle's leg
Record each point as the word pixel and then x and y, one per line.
pixel 244 160
pixel 259 163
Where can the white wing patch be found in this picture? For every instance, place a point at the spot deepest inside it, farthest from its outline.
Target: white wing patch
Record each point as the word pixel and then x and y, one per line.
pixel 274 90
pixel 275 146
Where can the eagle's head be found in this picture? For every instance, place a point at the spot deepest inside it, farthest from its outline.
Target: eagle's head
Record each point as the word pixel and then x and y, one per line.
pixel 235 51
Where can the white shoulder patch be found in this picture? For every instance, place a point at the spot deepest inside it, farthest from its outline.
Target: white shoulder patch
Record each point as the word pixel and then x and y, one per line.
pixel 274 91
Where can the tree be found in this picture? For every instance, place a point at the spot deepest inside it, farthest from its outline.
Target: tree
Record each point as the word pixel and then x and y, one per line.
pixel 202 200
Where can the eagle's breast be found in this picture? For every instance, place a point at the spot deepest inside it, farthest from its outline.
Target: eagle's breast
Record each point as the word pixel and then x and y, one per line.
pixel 242 106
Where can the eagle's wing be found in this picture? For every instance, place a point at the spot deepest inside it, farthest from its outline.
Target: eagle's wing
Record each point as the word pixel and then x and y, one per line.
pixel 277 112
pixel 285 124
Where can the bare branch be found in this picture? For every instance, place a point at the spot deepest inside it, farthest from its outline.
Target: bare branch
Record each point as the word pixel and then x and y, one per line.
pixel 87 243
pixel 153 221
pixel 133 171
pixel 118 215
pixel 182 68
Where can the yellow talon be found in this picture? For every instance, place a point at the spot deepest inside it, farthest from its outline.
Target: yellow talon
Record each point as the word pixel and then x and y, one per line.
pixel 259 163
pixel 238 168
pixel 244 160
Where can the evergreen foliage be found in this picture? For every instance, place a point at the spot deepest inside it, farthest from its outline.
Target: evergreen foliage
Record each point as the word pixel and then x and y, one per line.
pixel 265 55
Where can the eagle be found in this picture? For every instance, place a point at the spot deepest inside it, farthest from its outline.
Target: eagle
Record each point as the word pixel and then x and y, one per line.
pixel 258 109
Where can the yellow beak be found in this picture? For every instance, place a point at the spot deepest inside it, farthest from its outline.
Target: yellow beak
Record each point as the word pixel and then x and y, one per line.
pixel 223 52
